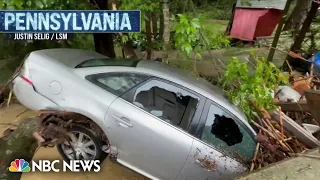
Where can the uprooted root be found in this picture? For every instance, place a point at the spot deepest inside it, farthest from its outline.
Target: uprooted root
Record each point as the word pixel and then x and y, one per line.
pixel 275 144
pixel 54 128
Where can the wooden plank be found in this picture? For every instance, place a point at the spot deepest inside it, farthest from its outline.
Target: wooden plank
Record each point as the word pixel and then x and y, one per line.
pixel 296 130
pixel 313 101
pixel 293 106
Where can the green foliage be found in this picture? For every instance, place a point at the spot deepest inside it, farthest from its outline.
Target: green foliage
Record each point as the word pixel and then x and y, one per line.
pixel 216 13
pixel 139 41
pixel 43 4
pixel 218 10
pixel 143 5
pixel 187 35
pixel 246 3
pixel 215 40
pixel 191 36
pixel 243 85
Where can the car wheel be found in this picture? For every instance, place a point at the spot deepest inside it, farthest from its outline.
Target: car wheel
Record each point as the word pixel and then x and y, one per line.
pixel 82 144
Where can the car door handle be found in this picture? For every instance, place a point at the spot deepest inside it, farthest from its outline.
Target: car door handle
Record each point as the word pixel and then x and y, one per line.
pixel 122 121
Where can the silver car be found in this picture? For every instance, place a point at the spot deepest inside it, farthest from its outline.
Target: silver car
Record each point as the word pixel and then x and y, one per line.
pixel 154 119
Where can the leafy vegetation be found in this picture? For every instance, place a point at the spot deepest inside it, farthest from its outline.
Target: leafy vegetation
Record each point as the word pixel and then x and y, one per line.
pixel 193 37
pixel 245 86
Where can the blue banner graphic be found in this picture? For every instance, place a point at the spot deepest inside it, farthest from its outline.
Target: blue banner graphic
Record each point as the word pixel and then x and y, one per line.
pixel 71 21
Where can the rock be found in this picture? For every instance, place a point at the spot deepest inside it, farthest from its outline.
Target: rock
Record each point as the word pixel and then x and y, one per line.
pixel 287 94
pixel 18 144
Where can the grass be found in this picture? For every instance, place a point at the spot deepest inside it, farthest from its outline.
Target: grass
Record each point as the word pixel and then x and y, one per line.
pixel 216 25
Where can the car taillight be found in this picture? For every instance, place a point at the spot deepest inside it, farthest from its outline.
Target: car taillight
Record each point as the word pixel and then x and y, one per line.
pixel 27 80
pixel 25 74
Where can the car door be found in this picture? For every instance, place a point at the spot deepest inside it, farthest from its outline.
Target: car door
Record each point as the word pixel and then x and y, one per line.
pixel 151 123
pixel 221 147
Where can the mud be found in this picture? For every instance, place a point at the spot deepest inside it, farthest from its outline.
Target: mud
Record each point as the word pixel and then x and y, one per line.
pixel 109 170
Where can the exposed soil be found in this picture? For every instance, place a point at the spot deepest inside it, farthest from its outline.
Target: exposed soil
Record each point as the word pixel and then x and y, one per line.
pixel 109 170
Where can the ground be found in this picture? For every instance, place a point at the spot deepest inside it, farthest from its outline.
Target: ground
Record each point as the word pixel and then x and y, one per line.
pixel 300 168
pixel 111 171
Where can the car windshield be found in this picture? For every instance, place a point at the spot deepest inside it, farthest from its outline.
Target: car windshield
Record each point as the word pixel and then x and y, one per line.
pixel 108 62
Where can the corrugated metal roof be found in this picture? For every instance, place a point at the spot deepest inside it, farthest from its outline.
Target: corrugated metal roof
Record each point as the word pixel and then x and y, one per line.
pixel 264 4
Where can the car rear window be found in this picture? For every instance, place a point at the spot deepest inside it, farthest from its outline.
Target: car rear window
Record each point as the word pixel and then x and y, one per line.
pixel 117 82
pixel 108 62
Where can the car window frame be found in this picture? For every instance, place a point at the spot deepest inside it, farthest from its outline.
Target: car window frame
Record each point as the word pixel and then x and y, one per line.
pixel 110 90
pixel 192 127
pixel 203 121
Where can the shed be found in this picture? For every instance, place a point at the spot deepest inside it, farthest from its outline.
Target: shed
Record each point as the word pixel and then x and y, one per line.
pixel 256 18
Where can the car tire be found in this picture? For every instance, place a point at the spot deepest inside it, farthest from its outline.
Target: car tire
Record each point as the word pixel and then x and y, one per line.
pixel 88 137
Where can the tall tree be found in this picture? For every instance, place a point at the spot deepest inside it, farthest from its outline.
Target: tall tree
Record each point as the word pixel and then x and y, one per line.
pixel 296 46
pixel 103 42
pixel 166 29
pixel 298 15
pixel 148 21
pixel 127 46
pixel 161 24
pixel 155 24
pixel 278 31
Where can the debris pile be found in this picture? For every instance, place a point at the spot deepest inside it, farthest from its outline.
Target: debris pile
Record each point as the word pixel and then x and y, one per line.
pixel 276 141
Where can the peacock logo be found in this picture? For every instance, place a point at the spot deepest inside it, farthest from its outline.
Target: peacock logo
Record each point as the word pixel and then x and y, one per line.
pixel 19 165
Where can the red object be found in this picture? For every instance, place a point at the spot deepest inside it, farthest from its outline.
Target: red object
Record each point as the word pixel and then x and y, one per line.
pixel 249 24
pixel 27 80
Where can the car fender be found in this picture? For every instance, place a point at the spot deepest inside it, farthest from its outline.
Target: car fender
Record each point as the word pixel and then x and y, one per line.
pixel 101 123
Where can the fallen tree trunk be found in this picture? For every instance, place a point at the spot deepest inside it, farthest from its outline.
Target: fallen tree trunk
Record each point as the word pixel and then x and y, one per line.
pixel 20 144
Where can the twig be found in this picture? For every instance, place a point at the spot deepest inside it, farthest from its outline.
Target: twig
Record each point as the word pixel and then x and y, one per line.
pixel 289 66
pixel 314 121
pixel 281 123
pixel 288 139
pixel 255 157
pixel 8 124
pixel 9 99
pixel 278 137
pixel 264 130
pixel 22 112
pixel 13 77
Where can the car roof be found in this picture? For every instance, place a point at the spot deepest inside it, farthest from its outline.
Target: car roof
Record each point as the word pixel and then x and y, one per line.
pixel 164 70
pixel 73 57
pixel 69 57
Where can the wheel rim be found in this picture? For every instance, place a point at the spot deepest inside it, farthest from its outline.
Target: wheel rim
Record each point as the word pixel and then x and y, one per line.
pixel 83 145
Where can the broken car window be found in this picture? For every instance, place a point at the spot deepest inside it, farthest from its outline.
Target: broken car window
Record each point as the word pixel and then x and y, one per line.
pixel 168 102
pixel 227 135
pixel 116 83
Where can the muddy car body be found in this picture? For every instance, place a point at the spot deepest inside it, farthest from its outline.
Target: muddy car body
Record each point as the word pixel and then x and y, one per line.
pixel 160 122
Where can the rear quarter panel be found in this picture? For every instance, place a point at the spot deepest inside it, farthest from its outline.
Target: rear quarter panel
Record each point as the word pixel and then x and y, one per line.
pixel 70 91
